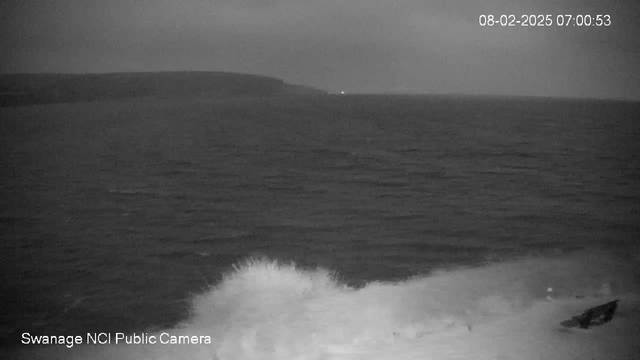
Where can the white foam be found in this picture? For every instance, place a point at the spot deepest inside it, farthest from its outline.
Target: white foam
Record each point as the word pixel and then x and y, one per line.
pixel 264 310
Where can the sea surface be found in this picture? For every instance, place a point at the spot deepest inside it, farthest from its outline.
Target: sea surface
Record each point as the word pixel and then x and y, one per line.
pixel 114 215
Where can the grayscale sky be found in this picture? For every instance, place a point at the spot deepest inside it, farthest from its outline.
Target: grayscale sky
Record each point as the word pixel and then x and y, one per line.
pixel 353 45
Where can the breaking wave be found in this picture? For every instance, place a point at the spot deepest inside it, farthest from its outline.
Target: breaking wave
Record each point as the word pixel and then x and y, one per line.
pixel 265 309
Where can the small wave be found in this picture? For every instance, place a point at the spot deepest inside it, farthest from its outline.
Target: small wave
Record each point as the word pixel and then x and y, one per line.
pixel 130 191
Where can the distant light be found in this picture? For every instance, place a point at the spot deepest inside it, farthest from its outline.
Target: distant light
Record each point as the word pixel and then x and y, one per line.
pixel 342 92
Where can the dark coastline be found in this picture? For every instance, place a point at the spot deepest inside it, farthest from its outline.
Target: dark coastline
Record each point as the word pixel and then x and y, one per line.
pixel 33 89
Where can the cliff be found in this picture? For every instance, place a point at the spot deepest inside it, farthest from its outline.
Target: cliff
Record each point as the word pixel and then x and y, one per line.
pixel 29 89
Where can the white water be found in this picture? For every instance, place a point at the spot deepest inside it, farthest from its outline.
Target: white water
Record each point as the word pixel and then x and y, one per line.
pixel 264 310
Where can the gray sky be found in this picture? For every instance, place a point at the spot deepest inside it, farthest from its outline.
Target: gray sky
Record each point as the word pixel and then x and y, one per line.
pixel 352 45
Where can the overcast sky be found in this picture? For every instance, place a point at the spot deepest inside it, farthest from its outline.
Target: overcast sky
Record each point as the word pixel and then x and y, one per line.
pixel 353 45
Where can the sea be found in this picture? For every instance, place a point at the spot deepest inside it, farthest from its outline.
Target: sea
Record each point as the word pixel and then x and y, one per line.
pixel 116 215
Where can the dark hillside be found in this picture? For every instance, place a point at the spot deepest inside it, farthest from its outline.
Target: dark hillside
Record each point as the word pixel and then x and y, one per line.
pixel 27 89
